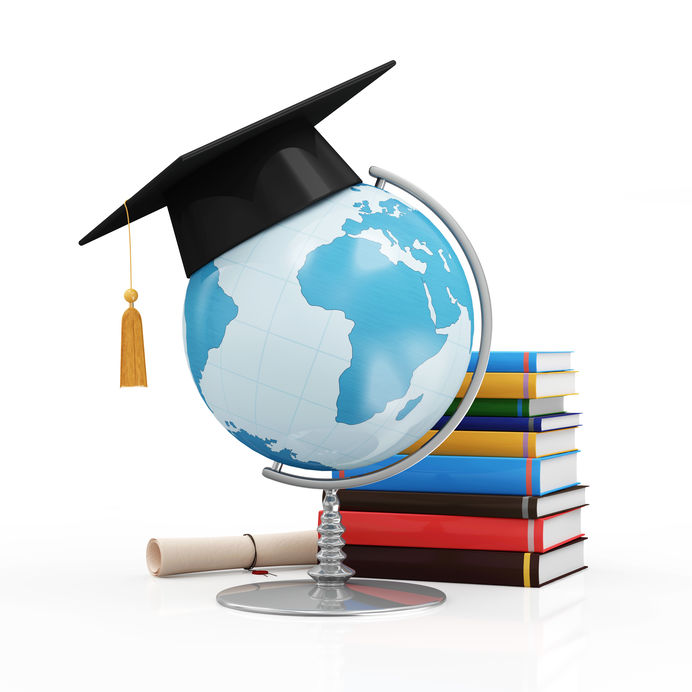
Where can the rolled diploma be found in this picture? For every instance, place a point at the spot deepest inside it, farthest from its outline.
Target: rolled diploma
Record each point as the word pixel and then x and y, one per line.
pixel 167 556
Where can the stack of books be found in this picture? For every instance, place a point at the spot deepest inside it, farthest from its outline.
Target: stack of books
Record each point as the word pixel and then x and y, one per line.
pixel 498 502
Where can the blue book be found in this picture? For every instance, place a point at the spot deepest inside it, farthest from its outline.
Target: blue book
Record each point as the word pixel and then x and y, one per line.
pixel 514 424
pixel 487 475
pixel 525 361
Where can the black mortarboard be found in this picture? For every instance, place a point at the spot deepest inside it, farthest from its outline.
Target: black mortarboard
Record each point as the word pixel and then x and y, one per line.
pixel 229 190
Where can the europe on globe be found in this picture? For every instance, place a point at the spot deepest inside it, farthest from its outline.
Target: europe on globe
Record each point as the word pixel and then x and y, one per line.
pixel 337 337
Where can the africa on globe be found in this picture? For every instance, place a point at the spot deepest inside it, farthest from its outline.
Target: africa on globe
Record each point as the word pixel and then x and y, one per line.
pixel 337 337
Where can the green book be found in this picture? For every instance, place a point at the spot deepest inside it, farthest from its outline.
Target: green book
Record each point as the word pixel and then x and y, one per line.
pixel 513 407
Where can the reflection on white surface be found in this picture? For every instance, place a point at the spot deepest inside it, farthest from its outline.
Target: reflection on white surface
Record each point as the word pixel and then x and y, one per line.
pixel 495 638
pixel 96 617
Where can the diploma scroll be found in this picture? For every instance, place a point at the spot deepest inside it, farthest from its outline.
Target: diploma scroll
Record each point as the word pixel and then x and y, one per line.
pixel 168 556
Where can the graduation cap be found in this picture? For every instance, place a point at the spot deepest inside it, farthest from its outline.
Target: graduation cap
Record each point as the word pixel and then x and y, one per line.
pixel 235 187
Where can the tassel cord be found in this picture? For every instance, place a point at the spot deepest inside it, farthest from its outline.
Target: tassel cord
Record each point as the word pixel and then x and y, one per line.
pixel 133 371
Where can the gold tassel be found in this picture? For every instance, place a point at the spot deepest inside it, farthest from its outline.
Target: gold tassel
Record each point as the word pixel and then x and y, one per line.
pixel 133 369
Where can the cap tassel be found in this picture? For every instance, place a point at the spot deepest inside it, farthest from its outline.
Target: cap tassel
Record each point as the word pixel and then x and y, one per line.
pixel 133 369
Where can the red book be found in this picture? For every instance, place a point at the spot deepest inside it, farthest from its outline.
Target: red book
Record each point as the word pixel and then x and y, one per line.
pixel 465 533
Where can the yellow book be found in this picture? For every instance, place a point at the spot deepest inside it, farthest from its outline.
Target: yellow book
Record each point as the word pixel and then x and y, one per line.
pixel 522 385
pixel 484 443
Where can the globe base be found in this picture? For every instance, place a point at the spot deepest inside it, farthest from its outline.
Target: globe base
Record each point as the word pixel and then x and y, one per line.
pixel 331 590
pixel 355 597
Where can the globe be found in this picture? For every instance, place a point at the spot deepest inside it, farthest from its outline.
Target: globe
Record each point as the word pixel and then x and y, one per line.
pixel 337 337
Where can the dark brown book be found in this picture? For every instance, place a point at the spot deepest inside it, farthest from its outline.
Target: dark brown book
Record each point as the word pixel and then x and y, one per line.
pixel 463 505
pixel 498 567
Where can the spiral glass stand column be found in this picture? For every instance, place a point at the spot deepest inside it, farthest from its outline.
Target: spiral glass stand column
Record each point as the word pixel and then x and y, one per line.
pixel 332 589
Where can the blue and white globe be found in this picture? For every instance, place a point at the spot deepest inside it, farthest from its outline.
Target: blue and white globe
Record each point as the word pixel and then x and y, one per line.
pixel 335 338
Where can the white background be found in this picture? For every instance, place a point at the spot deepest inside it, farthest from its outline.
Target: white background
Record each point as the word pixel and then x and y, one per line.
pixel 559 136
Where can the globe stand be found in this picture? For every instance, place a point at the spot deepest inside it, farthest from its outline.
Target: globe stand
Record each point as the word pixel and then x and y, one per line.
pixel 332 591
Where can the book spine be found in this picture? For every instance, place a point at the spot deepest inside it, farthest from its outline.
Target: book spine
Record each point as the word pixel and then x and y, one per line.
pixel 442 531
pixel 507 423
pixel 507 361
pixel 503 385
pixel 481 444
pixel 532 507
pixel 465 474
pixel 494 407
pixel 501 568
pixel 497 407
pixel 457 504
pixel 519 385
pixel 494 423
